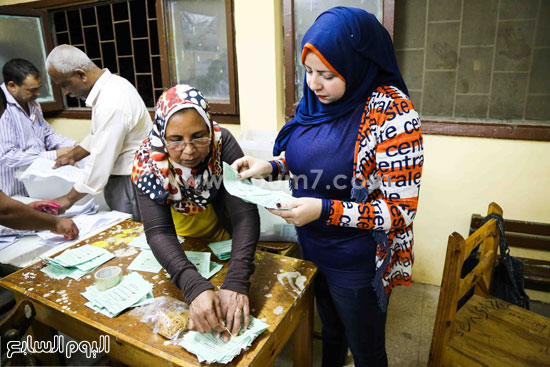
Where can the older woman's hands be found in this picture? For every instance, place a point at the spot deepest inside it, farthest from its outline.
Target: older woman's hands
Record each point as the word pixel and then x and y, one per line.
pixel 234 307
pixel 248 166
pixel 300 211
pixel 205 313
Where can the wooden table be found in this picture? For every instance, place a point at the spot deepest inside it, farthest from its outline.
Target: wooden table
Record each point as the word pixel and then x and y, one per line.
pixel 59 305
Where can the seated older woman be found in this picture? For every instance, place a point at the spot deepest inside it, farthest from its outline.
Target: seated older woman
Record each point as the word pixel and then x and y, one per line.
pixel 178 175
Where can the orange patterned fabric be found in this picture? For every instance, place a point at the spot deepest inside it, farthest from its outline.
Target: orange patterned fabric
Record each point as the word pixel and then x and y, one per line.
pixel 389 156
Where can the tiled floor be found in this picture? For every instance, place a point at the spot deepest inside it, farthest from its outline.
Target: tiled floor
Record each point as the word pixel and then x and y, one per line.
pixel 409 329
pixel 411 315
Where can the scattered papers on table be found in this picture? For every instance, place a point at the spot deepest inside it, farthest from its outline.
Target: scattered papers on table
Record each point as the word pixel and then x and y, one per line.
pixel 86 224
pixel 132 291
pixel 214 268
pixel 88 208
pixel 202 262
pixel 145 261
pixel 6 241
pixel 8 232
pixel 75 263
pixel 213 350
pixel 221 249
pixel 140 242
pixel 248 192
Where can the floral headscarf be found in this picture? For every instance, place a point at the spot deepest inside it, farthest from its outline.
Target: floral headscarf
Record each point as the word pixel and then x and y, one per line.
pixel 187 190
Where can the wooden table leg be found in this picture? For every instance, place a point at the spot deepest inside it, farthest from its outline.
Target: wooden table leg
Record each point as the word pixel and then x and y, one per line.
pixel 302 352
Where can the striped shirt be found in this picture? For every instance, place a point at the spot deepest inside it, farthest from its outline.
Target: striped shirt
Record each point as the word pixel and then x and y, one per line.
pixel 23 138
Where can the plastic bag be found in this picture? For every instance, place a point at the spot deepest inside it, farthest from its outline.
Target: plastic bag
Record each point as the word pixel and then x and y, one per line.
pixel 167 316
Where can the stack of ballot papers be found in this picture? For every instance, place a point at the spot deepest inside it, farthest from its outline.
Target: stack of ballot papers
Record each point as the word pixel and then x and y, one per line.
pixel 44 182
pixel 201 260
pixel 8 232
pixel 75 263
pixel 213 350
pixel 221 249
pixel 245 190
pixel 132 291
pixel 88 208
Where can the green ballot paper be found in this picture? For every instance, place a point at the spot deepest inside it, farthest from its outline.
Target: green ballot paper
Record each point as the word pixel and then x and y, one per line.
pixel 245 190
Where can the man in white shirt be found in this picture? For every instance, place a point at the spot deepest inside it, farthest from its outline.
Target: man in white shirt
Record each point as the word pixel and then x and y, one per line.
pixel 120 122
pixel 24 134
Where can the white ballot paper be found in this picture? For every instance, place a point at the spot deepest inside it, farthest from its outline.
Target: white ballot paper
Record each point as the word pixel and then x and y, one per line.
pixel 245 190
pixel 86 224
pixel 213 350
pixel 42 167
pixel 140 242
pixel 145 261
pixel 133 289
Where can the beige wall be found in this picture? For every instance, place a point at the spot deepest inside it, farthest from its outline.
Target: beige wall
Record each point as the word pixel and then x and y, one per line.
pixel 258 28
pixel 461 175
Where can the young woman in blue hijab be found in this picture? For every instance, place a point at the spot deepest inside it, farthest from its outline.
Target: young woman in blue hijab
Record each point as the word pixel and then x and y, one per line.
pixel 354 154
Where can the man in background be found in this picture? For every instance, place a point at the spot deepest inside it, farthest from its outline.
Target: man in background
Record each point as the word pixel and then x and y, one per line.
pixel 25 136
pixel 16 215
pixel 120 122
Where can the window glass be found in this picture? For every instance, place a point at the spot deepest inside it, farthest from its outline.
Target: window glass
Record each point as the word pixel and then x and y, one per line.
pixel 305 13
pixel 120 36
pixel 21 37
pixel 198 46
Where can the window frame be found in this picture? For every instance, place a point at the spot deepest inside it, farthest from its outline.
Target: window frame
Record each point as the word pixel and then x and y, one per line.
pixel 430 125
pixel 48 46
pixel 289 47
pixel 227 113
pixel 231 108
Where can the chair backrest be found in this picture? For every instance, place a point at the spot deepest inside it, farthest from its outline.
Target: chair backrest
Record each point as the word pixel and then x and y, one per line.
pixel 453 287
pixel 520 233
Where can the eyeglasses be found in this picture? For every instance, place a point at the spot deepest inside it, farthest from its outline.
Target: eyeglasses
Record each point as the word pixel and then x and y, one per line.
pixel 180 145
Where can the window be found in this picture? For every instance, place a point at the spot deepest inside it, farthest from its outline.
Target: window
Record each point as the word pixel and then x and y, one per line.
pixel 477 68
pixel 130 37
pixel 200 49
pixel 120 36
pixel 299 15
pixel 25 34
pixel 473 68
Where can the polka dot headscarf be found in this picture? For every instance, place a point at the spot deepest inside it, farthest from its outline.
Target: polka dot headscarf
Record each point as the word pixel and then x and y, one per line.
pixel 187 190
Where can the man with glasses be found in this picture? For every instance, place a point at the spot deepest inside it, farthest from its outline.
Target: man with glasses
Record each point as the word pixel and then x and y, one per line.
pixel 25 136
pixel 120 122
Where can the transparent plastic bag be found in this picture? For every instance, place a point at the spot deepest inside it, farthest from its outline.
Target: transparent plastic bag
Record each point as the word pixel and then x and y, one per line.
pixel 167 316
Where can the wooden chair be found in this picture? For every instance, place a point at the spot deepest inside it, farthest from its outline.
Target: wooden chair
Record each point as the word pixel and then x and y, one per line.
pixel 12 328
pixel 528 235
pixel 485 331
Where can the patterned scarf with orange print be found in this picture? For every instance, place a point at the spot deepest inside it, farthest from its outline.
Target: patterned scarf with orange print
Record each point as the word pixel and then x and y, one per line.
pixel 186 190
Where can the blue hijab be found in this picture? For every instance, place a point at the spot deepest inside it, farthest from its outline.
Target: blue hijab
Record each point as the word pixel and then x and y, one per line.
pixel 360 49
